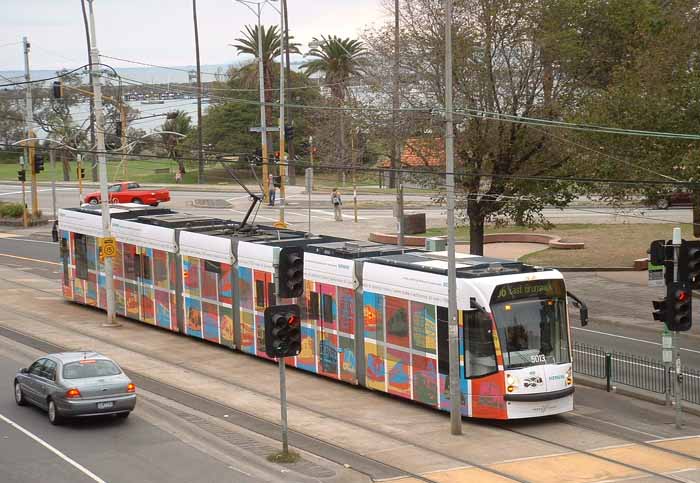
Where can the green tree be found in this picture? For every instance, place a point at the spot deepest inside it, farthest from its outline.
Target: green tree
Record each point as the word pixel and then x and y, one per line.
pixel 338 60
pixel 180 123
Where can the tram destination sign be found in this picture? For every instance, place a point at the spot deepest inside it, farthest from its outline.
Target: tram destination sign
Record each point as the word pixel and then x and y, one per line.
pixel 530 289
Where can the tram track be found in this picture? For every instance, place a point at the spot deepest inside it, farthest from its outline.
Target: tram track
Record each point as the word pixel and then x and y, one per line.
pixel 459 461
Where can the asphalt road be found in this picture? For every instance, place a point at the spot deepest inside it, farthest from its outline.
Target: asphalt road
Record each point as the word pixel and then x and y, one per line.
pixel 94 450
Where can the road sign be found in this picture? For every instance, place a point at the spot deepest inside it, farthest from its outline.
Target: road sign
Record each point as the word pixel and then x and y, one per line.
pixel 267 129
pixel 108 247
pixel 656 275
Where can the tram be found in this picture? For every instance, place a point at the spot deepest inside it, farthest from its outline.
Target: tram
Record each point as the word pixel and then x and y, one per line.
pixel 373 315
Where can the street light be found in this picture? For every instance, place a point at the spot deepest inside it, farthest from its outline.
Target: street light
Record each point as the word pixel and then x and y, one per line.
pixel 263 123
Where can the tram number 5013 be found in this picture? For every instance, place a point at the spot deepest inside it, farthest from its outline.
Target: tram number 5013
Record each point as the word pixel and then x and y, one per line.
pixel 538 359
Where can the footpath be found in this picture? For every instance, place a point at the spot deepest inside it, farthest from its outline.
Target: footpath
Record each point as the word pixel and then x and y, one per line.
pixel 341 427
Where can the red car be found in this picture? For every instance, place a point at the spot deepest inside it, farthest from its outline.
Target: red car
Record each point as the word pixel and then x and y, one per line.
pixel 128 192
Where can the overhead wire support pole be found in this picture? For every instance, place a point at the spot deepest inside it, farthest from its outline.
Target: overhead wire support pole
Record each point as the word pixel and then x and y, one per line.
pixel 30 152
pixel 102 165
pixel 453 324
pixel 200 152
pixel 396 150
pixel 283 159
pixel 263 123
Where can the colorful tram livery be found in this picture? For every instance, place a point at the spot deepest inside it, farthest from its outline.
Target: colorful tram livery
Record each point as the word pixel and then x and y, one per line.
pixel 373 315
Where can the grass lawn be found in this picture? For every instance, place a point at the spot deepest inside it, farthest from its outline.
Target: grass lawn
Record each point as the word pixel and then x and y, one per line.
pixel 605 245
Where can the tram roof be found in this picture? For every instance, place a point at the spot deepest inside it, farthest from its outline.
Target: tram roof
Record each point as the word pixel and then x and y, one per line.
pixel 468 266
pixel 353 249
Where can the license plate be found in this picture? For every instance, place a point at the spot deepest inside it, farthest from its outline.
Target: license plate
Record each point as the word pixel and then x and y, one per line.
pixel 105 405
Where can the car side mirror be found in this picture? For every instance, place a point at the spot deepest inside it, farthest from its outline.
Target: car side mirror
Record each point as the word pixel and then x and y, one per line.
pixel 24 370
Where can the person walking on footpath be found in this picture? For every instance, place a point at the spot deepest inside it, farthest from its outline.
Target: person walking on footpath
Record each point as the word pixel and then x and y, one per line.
pixel 337 204
pixel 178 176
pixel 271 188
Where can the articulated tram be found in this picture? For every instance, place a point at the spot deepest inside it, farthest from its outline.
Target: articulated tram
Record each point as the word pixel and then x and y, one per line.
pixel 372 315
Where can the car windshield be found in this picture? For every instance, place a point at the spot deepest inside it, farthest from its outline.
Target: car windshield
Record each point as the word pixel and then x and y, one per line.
pixel 532 325
pixel 90 368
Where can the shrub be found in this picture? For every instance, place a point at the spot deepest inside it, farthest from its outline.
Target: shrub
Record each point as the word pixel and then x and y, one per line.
pixel 11 210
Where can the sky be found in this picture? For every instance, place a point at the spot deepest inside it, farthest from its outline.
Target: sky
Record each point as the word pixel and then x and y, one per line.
pixel 161 31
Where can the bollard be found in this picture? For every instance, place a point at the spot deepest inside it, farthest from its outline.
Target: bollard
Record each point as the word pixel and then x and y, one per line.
pixel 608 371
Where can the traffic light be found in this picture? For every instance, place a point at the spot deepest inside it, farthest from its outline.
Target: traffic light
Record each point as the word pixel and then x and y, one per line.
pixel 38 163
pixel 282 331
pixel 689 263
pixel 291 272
pixel 57 89
pixel 81 172
pixel 679 316
pixel 660 310
pixel 288 132
pixel 22 175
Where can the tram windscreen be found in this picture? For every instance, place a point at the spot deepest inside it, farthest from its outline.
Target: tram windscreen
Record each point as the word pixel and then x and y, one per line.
pixel 531 321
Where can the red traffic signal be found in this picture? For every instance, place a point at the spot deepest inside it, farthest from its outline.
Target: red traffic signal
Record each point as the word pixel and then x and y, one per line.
pixel 679 316
pixel 282 331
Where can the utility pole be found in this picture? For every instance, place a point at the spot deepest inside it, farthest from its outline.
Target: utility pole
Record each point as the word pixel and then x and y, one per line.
pixel 200 172
pixel 102 165
pixel 291 170
pixel 283 159
pixel 455 390
pixel 354 174
pixel 92 99
pixel 52 158
pixel 396 150
pixel 263 123
pixel 30 152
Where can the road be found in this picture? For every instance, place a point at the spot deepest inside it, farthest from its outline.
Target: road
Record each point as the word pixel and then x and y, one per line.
pixel 32 450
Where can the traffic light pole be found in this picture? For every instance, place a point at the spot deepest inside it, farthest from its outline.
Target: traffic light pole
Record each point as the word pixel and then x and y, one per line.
pixel 283 380
pixel 52 157
pixel 677 396
pixel 29 118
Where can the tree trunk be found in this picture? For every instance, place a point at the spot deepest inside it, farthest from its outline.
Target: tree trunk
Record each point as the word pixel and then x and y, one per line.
pixel 476 229
pixel 340 157
pixel 66 166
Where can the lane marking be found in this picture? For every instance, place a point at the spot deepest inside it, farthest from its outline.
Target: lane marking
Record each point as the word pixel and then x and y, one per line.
pixel 257 216
pixel 38 191
pixel 10 236
pixel 55 451
pixel 629 338
pixel 30 259
pixel 616 425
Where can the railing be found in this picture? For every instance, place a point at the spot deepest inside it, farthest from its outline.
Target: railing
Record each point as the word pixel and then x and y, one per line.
pixel 634 371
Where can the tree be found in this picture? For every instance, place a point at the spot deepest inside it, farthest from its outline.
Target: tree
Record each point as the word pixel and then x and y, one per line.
pixel 338 60
pixel 271 48
pixel 180 123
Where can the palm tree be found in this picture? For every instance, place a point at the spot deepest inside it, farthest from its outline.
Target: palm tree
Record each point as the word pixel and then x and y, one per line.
pixel 338 60
pixel 179 122
pixel 271 48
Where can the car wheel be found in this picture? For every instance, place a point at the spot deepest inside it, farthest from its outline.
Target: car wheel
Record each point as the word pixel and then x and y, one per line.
pixel 154 204
pixel 19 396
pixel 54 415
pixel 662 203
pixel 137 201
pixel 123 415
pixel 93 201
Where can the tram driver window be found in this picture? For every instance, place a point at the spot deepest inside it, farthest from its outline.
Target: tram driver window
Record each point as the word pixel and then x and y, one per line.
pixel 81 262
pixel 479 350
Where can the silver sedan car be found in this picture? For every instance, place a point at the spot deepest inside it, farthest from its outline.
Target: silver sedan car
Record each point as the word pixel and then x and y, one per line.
pixel 75 384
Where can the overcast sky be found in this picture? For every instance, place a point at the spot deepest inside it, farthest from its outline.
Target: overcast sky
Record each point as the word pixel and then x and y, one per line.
pixel 161 31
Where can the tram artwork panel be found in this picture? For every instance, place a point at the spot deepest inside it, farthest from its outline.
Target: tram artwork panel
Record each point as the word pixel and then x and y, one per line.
pixel 372 315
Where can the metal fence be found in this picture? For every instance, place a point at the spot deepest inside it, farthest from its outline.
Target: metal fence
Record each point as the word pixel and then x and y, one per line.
pixel 634 371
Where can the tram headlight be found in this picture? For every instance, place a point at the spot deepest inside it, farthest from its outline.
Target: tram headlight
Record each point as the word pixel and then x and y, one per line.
pixel 569 377
pixel 512 383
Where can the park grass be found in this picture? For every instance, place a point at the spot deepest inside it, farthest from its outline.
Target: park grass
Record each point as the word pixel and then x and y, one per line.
pixel 606 245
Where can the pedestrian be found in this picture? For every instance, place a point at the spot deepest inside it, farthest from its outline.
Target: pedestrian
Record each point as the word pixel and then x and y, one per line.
pixel 337 204
pixel 271 188
pixel 178 176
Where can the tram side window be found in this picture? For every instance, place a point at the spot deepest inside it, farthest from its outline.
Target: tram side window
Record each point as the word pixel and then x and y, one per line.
pixel 313 309
pixel 146 267
pixel 443 341
pixel 479 351
pixel 81 262
pixel 213 267
pixel 327 302
pixel 260 293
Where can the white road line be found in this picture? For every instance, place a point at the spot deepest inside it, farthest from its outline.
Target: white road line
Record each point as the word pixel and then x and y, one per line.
pixel 628 338
pixel 616 425
pixel 238 198
pixel 46 189
pixel 55 451
pixel 29 240
pixel 346 213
